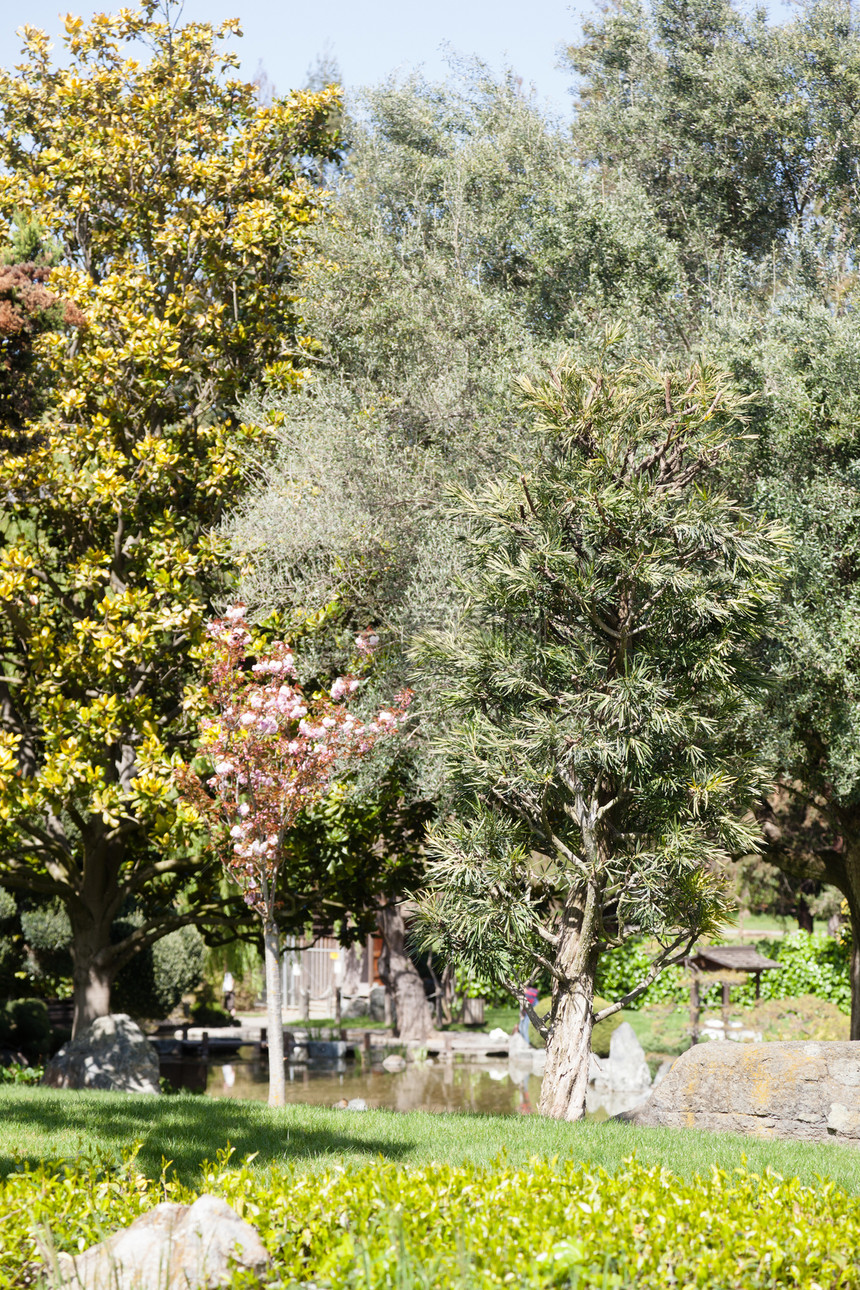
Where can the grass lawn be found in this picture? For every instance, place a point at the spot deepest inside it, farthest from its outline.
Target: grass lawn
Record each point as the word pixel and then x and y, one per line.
pixel 38 1124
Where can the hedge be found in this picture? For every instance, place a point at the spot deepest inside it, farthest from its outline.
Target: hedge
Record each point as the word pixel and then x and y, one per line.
pixel 549 1224
pixel 810 964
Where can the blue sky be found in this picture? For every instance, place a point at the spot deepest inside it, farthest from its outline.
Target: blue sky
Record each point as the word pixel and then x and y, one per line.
pixel 369 38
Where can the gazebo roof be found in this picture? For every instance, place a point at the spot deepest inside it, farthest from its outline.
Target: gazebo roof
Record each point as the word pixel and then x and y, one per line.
pixel 739 958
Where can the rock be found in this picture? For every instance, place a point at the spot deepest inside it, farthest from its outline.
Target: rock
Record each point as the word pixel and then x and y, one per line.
pixel 801 1090
pixel 357 1006
pixel 625 1070
pixel 376 1003
pixel 519 1049
pixel 394 1063
pixel 173 1247
pixel 663 1070
pixel 498 1036
pixel 112 1054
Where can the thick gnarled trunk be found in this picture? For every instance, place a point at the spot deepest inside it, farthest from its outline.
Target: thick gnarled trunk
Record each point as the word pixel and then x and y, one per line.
pixel 92 986
pixel 565 1079
pixel 414 1019
pixel 568 1049
pixel 275 1016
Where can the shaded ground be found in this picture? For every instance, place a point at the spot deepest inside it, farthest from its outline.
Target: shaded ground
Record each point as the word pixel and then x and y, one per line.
pixel 48 1124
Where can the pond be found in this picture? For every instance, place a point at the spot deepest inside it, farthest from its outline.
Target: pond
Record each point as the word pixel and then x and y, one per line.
pixel 488 1088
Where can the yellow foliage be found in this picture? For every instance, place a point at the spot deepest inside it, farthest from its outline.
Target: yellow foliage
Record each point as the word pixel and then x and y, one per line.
pixel 171 196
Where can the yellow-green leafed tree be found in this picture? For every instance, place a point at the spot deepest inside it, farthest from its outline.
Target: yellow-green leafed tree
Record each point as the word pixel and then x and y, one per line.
pixel 173 208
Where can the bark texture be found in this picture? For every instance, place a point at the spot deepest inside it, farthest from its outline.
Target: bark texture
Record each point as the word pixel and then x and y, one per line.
pixel 565 1080
pixel 275 1016
pixel 413 1019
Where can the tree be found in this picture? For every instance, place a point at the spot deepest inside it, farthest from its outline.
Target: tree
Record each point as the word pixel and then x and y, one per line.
pixel 271 755
pixel 594 684
pixel 801 467
pixel 741 133
pixel 467 245
pixel 178 207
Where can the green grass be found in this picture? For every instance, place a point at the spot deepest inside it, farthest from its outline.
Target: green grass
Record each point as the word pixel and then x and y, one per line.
pixel 37 1124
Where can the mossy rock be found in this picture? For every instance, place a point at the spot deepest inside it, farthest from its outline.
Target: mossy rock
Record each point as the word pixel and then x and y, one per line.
pixel 600 1035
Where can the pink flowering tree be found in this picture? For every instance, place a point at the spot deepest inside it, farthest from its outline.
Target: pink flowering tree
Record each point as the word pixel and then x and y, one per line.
pixel 271 753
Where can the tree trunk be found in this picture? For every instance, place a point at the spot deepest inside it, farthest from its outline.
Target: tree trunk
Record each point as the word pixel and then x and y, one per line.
pixel 413 1019
pixel 93 966
pixel 92 992
pixel 568 1049
pixel 275 1016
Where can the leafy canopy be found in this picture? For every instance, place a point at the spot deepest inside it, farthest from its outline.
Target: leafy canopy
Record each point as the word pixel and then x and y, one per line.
pixel 176 207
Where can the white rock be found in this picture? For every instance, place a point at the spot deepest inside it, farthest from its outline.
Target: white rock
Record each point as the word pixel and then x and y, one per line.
pixel 394 1063
pixel 625 1069
pixel 173 1247
pixel 519 1048
pixel 498 1036
pixel 112 1054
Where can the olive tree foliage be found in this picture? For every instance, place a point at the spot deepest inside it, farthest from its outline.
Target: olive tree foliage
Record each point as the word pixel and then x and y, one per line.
pixel 467 247
pixel 804 466
pixel 741 132
pixel 594 684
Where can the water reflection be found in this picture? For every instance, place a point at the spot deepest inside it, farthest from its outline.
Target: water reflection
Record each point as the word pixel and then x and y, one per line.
pixel 496 1088
pixel 427 1086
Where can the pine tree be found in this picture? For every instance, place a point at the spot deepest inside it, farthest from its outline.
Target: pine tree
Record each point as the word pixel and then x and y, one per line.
pixel 595 682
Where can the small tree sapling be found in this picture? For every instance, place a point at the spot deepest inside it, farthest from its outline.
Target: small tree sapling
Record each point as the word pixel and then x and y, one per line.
pixel 272 754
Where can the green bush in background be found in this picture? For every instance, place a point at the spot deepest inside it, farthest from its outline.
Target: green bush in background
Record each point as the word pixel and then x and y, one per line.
pixel 552 1223
pixel 24 1027
pixel 152 984
pixel 813 964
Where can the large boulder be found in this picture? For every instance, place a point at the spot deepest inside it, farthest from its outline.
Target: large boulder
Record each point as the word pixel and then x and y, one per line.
pixel 803 1090
pixel 173 1247
pixel 112 1054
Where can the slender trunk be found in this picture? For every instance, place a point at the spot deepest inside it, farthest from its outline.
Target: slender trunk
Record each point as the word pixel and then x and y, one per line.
pixel 851 890
pixel 275 1016
pixel 414 1019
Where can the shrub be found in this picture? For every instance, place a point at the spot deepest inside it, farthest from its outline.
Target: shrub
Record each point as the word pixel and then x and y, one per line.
pixel 24 1026
pixel 553 1223
pixel 809 964
pixel 155 980
pixel 209 1014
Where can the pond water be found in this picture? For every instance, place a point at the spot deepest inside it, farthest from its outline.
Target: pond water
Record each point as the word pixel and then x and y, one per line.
pixel 488 1088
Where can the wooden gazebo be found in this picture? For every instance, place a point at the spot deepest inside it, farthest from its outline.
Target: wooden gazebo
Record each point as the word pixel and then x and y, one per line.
pixel 723 963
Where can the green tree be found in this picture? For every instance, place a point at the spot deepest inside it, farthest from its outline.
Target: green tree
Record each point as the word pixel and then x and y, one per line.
pixel 178 206
pixel 594 683
pixel 467 246
pixel 802 467
pixel 741 132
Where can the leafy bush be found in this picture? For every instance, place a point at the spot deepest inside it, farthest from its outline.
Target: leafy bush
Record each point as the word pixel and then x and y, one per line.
pixel 803 1018
pixel 209 1014
pixel 25 1027
pixel 155 980
pixel 809 964
pixel 21 1074
pixel 553 1223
